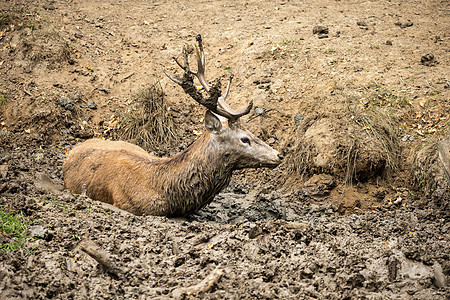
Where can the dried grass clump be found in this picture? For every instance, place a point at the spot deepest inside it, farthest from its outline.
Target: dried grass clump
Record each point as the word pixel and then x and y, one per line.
pixel 149 123
pixel 382 128
pixel 349 142
pixel 427 170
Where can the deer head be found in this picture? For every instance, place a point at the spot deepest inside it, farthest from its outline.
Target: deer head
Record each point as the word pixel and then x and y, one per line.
pixel 238 147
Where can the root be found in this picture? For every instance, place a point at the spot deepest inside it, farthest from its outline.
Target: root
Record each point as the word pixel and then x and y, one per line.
pixel 203 286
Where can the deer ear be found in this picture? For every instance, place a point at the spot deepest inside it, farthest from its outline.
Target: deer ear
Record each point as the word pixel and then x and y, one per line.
pixel 212 123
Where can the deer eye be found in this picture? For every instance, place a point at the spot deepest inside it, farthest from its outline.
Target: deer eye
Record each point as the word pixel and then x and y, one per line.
pixel 245 140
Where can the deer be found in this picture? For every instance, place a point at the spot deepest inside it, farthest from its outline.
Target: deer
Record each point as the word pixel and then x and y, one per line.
pixel 128 177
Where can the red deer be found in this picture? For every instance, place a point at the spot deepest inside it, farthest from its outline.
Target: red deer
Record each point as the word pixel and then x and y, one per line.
pixel 126 176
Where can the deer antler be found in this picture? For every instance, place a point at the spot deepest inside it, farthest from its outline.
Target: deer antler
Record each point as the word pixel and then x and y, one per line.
pixel 215 102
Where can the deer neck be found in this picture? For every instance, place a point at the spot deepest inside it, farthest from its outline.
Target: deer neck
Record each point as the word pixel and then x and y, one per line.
pixel 195 176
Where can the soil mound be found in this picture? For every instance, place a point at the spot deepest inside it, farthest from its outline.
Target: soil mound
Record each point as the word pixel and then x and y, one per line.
pixel 350 145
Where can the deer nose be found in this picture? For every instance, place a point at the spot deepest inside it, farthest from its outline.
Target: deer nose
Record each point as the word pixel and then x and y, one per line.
pixel 280 156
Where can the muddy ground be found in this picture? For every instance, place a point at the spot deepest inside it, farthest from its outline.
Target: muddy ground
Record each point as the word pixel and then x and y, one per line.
pixel 308 229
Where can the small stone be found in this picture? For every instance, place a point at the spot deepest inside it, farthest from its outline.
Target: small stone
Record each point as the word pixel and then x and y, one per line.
pixel 261 81
pixel 404 25
pixel 307 272
pixel 407 24
pixel 298 119
pixel 92 105
pixel 71 265
pixel 320 29
pixel 428 59
pixel 407 138
pixel 254 232
pixel 389 43
pixel 439 276
pixel 67 103
pixel 259 111
pixel 38 231
pixel 41 232
pixel 361 23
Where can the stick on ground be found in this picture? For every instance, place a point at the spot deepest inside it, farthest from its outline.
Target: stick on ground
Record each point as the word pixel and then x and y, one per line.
pixel 203 286
pixel 100 255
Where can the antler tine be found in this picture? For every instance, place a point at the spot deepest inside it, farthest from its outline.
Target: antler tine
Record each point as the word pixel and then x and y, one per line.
pixel 201 64
pixel 175 79
pixel 184 66
pixel 224 108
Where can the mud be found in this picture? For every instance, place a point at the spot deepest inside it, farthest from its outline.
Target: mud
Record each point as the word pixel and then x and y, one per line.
pixel 324 230
pixel 267 243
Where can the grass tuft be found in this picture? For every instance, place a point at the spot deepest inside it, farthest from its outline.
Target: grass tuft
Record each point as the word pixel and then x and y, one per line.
pixel 149 123
pixel 13 229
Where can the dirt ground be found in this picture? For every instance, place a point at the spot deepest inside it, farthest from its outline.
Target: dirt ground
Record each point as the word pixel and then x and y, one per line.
pixel 373 80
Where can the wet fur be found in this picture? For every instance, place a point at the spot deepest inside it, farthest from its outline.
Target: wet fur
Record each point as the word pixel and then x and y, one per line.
pixel 126 176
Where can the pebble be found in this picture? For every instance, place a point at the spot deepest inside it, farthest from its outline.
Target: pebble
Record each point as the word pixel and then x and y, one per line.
pixel 361 23
pixel 407 138
pixel 439 277
pixel 92 105
pixel 404 25
pixel 67 103
pixel 259 111
pixel 38 231
pixel 320 29
pixel 428 59
pixel 298 119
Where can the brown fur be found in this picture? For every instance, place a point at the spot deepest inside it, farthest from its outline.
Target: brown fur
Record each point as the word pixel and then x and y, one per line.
pixel 128 177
